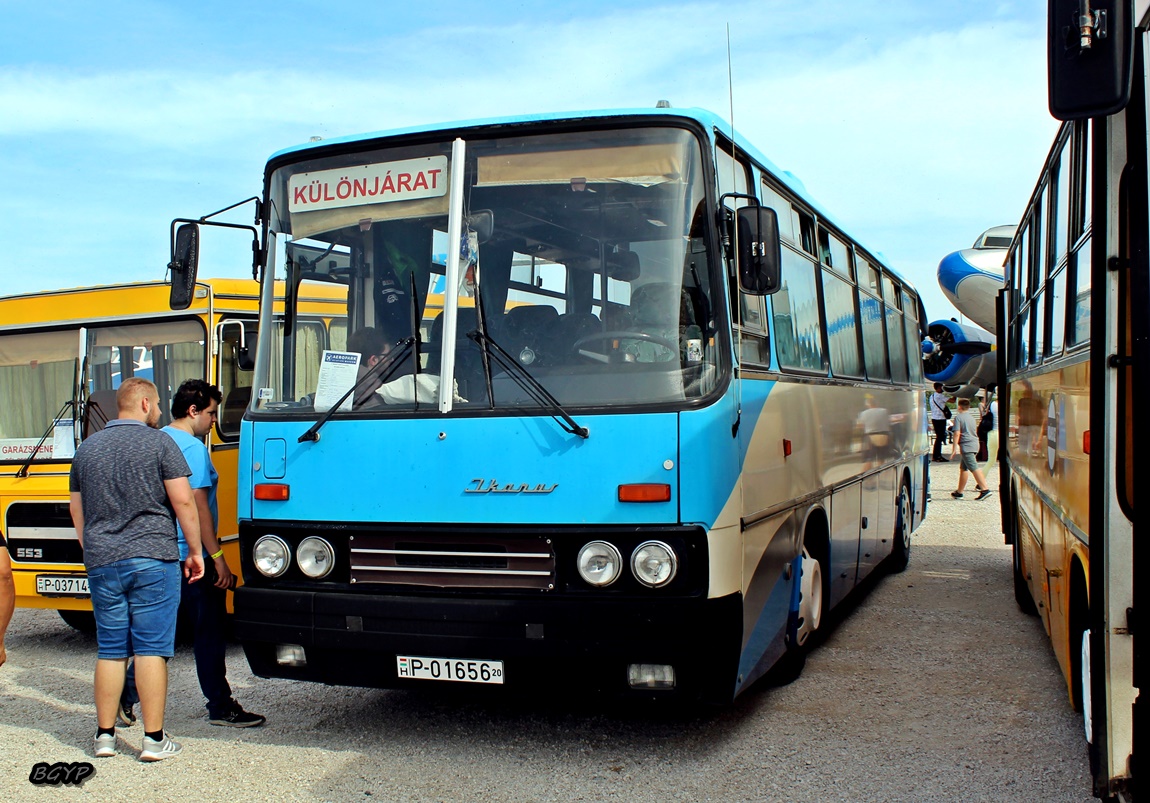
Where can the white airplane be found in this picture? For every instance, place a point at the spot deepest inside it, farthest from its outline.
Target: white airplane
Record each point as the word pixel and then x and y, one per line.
pixel 960 356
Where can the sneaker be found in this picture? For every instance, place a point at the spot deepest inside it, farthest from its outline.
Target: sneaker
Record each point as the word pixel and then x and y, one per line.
pixel 956 494
pixel 942 459
pixel 984 493
pixel 237 717
pixel 105 745
pixel 154 750
pixel 125 716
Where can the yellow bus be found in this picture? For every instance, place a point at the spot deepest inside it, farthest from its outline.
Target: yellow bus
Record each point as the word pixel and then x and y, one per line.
pixel 63 354
pixel 1073 379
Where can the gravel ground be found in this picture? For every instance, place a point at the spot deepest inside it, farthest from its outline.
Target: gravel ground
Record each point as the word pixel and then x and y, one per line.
pixel 935 688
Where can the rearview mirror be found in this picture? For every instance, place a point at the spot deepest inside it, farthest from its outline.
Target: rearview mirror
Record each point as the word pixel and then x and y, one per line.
pixel 184 264
pixel 760 250
pixel 482 222
pixel 1089 52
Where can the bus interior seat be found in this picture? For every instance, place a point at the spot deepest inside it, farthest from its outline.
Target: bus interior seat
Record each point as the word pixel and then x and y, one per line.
pixel 468 358
pixel 657 309
pixel 574 326
pixel 232 411
pixel 532 327
pixel 465 322
pixel 101 409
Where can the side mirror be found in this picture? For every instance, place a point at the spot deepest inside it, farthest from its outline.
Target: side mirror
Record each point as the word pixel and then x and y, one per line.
pixel 1089 53
pixel 184 264
pixel 760 250
pixel 482 222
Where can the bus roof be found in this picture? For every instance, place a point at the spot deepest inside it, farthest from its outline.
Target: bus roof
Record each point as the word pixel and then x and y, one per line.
pixel 708 120
pixel 134 299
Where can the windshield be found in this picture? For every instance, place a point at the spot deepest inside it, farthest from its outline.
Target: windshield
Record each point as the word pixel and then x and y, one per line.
pixel 583 257
pixel 39 391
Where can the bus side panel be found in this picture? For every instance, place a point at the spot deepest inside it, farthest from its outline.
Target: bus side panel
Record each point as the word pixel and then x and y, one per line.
pixel 770 547
pixel 710 465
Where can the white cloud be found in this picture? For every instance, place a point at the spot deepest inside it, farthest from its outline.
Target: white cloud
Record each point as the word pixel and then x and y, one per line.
pixel 916 131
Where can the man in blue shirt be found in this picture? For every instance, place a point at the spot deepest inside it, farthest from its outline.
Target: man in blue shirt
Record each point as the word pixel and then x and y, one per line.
pixel 195 408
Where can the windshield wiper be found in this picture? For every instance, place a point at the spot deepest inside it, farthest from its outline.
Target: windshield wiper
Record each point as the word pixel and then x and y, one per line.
pixel 22 472
pixel 385 368
pixel 530 385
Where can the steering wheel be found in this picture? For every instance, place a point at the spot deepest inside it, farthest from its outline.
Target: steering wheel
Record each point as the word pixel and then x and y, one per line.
pixel 626 334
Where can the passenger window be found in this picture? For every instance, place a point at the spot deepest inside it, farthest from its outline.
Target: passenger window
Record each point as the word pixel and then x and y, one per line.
pixel 874 338
pixel 897 345
pixel 1057 288
pixel 782 208
pixel 234 374
pixel 797 325
pixel 842 335
pixel 1080 327
pixel 805 225
pixel 1061 211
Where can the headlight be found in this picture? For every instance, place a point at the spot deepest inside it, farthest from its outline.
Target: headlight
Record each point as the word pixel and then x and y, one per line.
pixel 315 557
pixel 654 564
pixel 271 555
pixel 599 563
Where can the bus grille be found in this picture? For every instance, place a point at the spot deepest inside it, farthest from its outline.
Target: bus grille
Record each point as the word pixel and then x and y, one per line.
pixel 444 562
pixel 42 532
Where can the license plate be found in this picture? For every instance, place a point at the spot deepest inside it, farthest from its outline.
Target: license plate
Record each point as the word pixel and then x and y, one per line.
pixel 463 670
pixel 59 586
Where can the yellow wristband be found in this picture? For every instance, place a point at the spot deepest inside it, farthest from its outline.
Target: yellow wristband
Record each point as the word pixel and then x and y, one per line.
pixel 218 554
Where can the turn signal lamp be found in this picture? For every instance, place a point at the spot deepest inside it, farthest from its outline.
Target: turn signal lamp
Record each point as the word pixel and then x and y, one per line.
pixel 272 492
pixel 645 492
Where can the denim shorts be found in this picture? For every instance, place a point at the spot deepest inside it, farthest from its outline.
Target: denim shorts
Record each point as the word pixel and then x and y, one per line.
pixel 135 602
pixel 968 461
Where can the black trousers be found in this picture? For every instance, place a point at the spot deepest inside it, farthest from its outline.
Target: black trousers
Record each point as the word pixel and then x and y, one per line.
pixel 939 435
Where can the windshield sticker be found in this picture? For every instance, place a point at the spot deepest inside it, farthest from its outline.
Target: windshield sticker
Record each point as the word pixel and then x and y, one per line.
pixel 368 184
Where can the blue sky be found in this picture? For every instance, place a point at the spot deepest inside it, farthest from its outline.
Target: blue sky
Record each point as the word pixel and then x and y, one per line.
pixel 917 123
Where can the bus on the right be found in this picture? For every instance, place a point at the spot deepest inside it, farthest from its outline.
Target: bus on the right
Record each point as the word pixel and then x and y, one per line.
pixel 1075 383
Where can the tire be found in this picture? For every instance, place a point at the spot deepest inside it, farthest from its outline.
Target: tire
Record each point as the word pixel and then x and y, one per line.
pixel 1084 689
pixel 1021 589
pixel 814 591
pixel 84 621
pixel 900 555
pixel 812 598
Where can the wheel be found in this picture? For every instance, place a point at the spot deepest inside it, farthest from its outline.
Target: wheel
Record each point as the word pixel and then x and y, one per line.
pixel 810 599
pixel 1021 589
pixel 84 621
pixel 900 555
pixel 626 334
pixel 813 594
pixel 1084 692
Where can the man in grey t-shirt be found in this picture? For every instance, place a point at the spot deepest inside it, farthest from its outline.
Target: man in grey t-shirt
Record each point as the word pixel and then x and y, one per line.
pixel 127 483
pixel 966 438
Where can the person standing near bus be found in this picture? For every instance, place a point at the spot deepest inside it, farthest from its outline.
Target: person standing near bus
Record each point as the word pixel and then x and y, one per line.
pixel 7 595
pixel 939 413
pixel 126 482
pixel 195 409
pixel 966 439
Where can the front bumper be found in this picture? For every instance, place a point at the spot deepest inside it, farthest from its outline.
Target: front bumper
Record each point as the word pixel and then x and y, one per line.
pixel 352 639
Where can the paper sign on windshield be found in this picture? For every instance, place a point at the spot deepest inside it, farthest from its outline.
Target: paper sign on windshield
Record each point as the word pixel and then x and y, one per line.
pixel 337 374
pixel 368 184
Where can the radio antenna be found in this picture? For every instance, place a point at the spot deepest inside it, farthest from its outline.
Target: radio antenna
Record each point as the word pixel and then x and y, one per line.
pixel 730 84
pixel 738 310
